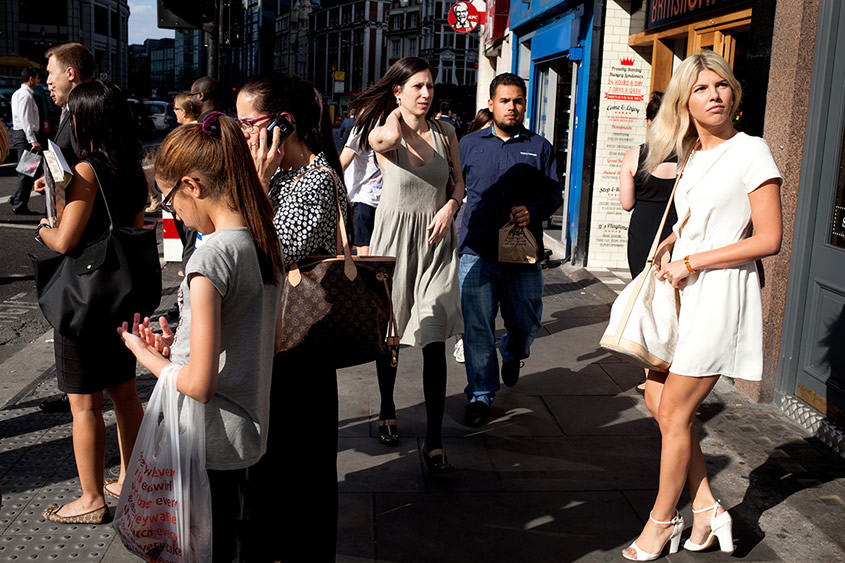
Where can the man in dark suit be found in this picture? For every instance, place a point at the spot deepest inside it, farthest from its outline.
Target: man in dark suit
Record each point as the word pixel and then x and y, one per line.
pixel 68 66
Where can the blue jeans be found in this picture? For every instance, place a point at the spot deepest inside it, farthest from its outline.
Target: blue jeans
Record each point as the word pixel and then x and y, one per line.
pixel 484 285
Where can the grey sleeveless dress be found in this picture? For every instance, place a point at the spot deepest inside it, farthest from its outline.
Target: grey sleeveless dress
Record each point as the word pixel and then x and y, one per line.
pixel 426 295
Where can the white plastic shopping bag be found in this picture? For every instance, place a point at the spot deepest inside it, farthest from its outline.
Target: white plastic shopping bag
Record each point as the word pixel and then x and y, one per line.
pixel 164 511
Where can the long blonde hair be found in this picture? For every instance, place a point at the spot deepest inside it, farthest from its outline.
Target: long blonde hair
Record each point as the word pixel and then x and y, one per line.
pixel 672 129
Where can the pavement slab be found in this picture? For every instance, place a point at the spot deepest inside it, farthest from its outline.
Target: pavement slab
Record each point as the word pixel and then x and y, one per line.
pixel 566 469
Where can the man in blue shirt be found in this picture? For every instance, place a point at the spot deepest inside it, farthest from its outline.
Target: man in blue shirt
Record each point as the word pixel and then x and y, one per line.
pixel 510 174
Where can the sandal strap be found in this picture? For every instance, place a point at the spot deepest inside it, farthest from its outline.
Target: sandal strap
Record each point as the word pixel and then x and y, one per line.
pixel 389 422
pixel 437 452
pixel 714 507
pixel 671 522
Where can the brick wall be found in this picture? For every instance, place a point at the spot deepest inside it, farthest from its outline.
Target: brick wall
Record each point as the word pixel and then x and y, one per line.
pixel 625 78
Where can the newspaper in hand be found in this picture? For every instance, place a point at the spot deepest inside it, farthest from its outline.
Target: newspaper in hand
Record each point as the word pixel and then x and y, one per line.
pixel 57 176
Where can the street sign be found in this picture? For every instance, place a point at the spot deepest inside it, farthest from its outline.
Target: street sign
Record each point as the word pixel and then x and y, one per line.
pixel 463 17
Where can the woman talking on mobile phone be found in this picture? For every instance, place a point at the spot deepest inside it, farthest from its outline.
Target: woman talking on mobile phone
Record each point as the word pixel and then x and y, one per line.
pixel 288 129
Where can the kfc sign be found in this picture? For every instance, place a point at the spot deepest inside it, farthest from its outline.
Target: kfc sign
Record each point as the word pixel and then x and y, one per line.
pixel 463 17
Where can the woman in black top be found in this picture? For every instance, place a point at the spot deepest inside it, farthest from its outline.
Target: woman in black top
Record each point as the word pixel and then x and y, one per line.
pixel 107 144
pixel 647 194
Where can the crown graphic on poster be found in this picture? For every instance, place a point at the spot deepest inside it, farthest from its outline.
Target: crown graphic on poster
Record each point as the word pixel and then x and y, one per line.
pixel 629 61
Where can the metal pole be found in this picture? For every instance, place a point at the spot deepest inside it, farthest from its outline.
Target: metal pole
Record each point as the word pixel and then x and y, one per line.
pixel 212 38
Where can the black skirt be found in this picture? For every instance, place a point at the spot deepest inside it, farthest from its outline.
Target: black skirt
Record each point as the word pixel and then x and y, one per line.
pixel 92 364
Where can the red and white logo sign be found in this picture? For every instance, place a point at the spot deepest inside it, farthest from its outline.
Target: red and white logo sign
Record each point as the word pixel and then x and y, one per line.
pixel 463 17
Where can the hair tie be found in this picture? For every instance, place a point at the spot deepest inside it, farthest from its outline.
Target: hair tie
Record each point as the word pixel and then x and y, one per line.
pixel 211 124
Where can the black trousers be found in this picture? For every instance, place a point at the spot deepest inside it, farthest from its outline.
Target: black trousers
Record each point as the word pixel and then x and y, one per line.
pixel 20 199
pixel 296 479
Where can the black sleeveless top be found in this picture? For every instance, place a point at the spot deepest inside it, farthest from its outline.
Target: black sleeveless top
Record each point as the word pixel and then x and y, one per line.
pixel 126 192
pixel 651 188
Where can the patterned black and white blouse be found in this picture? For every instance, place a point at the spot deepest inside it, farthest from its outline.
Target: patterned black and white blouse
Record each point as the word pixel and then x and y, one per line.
pixel 305 214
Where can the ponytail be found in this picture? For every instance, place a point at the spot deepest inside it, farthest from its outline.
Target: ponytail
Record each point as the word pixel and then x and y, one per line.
pixel 217 149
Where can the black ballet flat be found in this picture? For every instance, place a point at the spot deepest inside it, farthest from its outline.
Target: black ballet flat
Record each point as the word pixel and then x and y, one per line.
pixel 388 433
pixel 436 461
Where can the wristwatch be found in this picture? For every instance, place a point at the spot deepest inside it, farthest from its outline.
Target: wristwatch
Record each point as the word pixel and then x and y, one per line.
pixel 38 231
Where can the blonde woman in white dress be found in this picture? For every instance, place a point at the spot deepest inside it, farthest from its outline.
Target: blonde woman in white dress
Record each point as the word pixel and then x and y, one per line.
pixel 730 183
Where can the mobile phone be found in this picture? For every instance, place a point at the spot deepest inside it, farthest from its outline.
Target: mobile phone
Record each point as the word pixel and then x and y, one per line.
pixel 285 128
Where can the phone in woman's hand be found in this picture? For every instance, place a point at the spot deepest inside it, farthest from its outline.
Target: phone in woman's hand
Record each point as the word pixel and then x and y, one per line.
pixel 285 128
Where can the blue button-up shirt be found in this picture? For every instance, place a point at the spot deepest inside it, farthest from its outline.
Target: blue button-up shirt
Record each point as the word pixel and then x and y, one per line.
pixel 501 174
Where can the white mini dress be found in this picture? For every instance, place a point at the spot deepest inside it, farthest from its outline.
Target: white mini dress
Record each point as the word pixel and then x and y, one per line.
pixel 721 320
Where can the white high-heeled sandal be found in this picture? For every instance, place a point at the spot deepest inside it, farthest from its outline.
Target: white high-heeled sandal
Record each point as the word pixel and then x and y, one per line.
pixel 720 529
pixel 674 540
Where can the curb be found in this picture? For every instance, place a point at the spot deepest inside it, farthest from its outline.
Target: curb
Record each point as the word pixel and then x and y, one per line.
pixel 24 371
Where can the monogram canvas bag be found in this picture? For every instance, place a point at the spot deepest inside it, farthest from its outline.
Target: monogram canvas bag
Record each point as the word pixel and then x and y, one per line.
pixel 340 303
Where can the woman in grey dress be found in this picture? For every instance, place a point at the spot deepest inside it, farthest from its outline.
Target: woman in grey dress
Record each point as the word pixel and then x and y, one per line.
pixel 422 191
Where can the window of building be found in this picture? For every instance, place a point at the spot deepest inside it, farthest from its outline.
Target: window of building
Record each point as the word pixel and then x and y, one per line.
pixel 448 37
pixel 359 37
pixel 412 47
pixel 395 48
pixel 115 25
pixel 101 20
pixel 333 17
pixel 413 20
pixel 396 22
pixel 52 12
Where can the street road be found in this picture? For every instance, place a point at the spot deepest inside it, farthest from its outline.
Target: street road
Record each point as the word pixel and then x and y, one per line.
pixel 21 320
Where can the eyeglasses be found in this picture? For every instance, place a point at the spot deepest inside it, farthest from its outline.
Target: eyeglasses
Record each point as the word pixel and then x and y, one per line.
pixel 166 203
pixel 248 125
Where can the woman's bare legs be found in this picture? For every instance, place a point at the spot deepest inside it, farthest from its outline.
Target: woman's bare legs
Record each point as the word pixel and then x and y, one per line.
pixel 128 413
pixel 89 449
pixel 674 399
pixel 697 482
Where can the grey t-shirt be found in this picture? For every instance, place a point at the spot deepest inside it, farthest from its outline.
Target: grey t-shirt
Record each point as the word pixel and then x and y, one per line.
pixel 237 417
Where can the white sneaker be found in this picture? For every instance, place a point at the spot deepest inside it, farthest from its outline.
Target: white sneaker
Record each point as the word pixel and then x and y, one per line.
pixel 459 351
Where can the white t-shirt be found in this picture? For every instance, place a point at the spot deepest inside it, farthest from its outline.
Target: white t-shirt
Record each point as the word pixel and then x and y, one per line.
pixel 362 177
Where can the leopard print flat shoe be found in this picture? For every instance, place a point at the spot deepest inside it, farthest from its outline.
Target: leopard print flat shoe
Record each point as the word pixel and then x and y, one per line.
pixel 96 516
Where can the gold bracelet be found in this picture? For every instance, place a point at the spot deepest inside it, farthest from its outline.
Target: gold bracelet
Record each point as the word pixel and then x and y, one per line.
pixel 689 267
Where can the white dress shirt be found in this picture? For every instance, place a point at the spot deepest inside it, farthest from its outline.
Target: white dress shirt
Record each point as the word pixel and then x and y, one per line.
pixel 25 113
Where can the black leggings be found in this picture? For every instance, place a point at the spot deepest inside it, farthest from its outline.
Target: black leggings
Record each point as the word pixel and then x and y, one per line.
pixel 434 390
pixel 228 514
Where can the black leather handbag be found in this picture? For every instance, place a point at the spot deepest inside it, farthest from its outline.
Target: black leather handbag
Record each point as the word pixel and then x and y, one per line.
pixel 101 284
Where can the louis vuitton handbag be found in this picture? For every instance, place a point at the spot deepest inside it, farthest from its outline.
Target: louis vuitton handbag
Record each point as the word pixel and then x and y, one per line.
pixel 340 303
pixel 643 327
